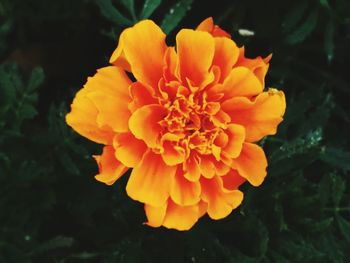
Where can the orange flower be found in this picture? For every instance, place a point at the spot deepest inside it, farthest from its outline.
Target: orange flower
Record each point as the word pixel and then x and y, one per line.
pixel 187 125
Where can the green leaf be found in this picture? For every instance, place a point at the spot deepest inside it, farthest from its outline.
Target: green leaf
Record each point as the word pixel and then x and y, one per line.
pixel 149 7
pixel 27 111
pixel 68 163
pixel 5 29
pixel 298 146
pixel 321 225
pixel 36 79
pixel 54 243
pixel 9 81
pixel 324 189
pixel 325 3
pixel 175 15
pixel 294 16
pixel 344 227
pixel 338 189
pixel 130 5
pixel 336 157
pixel 109 11
pixel 330 246
pixel 329 40
pixel 299 34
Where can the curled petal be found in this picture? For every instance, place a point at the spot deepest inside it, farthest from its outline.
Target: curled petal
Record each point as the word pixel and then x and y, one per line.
pixel 174 216
pixel 191 168
pixel 202 207
pixel 110 169
pixel 113 111
pixel 118 58
pixel 251 164
pixel 260 116
pixel 232 180
pixel 110 80
pixel 141 95
pixel 258 66
pixel 144 124
pixel 207 25
pixel 220 201
pixel 180 217
pixel 143 47
pixel 226 55
pixel 207 167
pixel 100 108
pixel 184 192
pixel 83 119
pixel 170 70
pixel 236 136
pixel 155 215
pixel 172 154
pixel 240 82
pixel 108 90
pixel 150 180
pixel 128 149
pixel 221 167
pixel 195 51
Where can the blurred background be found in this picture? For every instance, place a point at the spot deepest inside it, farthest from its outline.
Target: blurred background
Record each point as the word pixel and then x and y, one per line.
pixel 53 210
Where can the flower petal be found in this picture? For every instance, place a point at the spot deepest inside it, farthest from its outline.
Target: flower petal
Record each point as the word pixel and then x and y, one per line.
pixel 258 66
pixel 170 70
pixel 90 116
pixel 118 58
pixel 240 82
pixel 236 136
pixel 82 118
pixel 195 51
pixel 144 48
pixel 144 124
pixel 113 111
pixel 110 169
pixel 226 55
pixel 150 180
pixel 261 116
pixel 128 149
pixel 251 164
pixel 203 207
pixel 172 154
pixel 220 201
pixel 108 90
pixel 207 167
pixel 141 95
pixel 232 180
pixel 180 217
pixel 155 215
pixel 191 168
pixel 110 80
pixel 207 25
pixel 184 192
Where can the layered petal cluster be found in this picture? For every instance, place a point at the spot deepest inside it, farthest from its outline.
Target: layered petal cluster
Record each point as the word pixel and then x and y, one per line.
pixel 186 125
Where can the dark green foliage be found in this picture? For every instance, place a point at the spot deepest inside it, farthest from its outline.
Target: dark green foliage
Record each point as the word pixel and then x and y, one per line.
pixel 53 210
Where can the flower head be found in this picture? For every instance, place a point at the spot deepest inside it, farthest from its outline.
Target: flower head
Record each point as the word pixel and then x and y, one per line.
pixel 187 125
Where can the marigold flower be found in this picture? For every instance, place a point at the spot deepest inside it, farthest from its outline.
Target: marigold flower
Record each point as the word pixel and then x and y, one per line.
pixel 187 125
